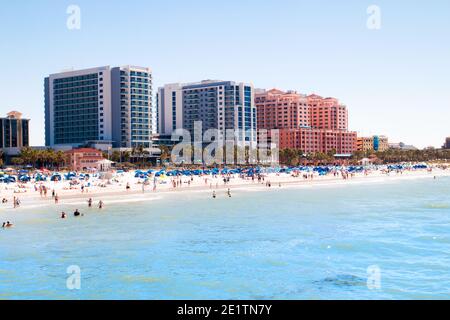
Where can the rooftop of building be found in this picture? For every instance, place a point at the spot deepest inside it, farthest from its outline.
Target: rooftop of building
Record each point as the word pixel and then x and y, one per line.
pixel 278 92
pixel 374 136
pixel 203 83
pixel 72 71
pixel 84 150
pixel 14 115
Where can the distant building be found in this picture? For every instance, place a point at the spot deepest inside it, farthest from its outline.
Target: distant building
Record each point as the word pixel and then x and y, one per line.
pixel 374 143
pixel 401 146
pixel 217 104
pixel 447 143
pixel 14 133
pixel 311 140
pixel 308 123
pixel 84 158
pixel 101 105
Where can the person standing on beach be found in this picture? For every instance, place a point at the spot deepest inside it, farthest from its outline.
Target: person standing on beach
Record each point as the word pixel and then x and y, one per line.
pixel 16 202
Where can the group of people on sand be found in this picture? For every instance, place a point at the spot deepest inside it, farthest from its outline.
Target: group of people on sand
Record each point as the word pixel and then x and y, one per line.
pixel 42 190
pixel 178 182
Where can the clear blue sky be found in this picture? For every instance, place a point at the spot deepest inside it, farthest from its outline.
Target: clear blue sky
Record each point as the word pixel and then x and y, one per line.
pixel 395 81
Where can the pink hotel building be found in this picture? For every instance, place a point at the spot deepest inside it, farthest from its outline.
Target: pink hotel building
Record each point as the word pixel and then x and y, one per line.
pixel 308 123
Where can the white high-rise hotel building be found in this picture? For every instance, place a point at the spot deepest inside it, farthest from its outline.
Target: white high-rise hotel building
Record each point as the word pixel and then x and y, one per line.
pixel 217 104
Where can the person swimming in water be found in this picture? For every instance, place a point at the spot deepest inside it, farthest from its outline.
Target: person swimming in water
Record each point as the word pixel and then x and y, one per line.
pixel 100 204
pixel 63 215
pixel 214 194
pixel 90 202
pixel 77 213
pixel 229 192
pixel 7 224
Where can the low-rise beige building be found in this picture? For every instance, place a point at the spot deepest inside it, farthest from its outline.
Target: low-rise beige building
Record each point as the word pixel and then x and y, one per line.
pixel 374 143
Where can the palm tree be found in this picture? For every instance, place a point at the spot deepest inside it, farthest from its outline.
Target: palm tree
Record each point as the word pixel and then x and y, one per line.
pixel 165 153
pixel 27 155
pixel 115 156
pixel 61 159
pixel 140 152
pixel 289 156
pixel 17 161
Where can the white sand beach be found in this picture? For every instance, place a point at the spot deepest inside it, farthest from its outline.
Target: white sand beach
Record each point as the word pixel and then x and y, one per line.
pixel 115 190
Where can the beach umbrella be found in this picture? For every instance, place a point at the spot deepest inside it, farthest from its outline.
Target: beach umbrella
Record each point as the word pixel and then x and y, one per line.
pixel 24 178
pixel 56 177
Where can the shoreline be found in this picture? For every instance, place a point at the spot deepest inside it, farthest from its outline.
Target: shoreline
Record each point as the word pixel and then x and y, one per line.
pixel 110 194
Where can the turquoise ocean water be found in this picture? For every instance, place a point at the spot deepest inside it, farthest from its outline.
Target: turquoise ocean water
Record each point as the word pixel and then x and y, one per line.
pixel 287 243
